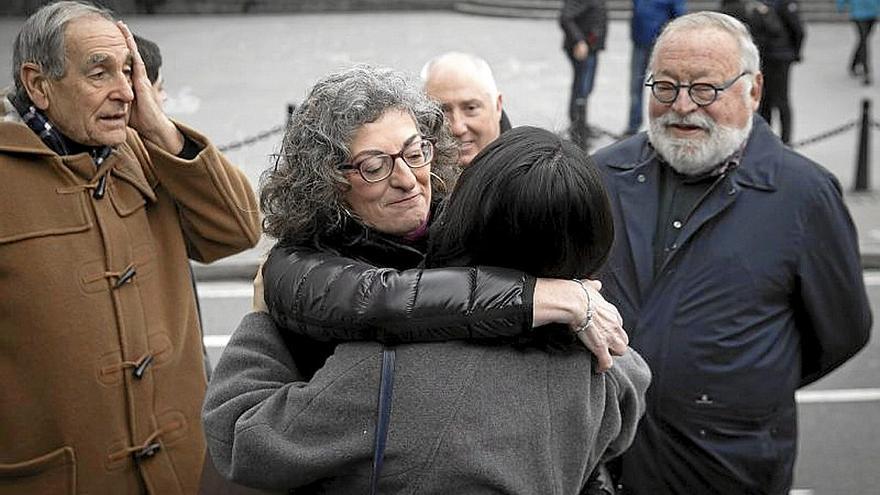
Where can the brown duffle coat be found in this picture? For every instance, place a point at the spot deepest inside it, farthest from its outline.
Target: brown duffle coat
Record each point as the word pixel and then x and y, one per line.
pixel 101 368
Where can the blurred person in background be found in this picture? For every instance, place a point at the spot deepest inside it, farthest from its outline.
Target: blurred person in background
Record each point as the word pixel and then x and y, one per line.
pixel 464 86
pixel 863 14
pixel 152 58
pixel 584 25
pixel 648 18
pixel 778 32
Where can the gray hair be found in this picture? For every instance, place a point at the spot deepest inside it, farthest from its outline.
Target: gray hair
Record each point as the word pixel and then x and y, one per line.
pixel 41 39
pixel 463 62
pixel 750 60
pixel 302 195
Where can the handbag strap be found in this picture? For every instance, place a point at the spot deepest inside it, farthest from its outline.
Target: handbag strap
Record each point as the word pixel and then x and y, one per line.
pixel 381 434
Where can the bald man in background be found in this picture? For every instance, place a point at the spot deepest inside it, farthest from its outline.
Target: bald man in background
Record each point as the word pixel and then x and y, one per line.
pixel 464 86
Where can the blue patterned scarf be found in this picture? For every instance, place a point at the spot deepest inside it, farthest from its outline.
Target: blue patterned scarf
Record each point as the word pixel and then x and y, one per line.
pixel 52 137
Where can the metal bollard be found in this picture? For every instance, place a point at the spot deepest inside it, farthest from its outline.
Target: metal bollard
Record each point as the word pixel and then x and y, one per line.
pixel 864 157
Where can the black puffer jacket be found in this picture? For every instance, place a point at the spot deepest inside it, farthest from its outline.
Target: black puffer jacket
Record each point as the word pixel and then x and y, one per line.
pixel 330 292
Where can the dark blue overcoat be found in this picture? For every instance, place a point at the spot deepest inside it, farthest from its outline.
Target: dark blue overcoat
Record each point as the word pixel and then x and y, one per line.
pixel 762 293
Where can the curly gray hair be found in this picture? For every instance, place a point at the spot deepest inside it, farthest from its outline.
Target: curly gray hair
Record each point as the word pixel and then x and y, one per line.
pixel 302 195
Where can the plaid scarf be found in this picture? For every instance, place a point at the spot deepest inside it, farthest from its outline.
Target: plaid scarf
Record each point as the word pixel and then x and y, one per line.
pixel 52 137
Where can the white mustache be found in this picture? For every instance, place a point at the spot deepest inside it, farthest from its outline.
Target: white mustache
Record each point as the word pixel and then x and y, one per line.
pixel 692 119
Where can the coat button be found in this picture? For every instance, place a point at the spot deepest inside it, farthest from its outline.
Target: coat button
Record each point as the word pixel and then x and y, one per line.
pixel 641 178
pixel 125 277
pixel 141 367
pixel 702 433
pixel 100 187
pixel 147 452
pixel 676 224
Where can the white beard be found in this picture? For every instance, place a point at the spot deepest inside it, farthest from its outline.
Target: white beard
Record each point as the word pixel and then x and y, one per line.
pixel 692 157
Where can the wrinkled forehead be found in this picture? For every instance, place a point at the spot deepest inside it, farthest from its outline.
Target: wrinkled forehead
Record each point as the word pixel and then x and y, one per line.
pixel 94 40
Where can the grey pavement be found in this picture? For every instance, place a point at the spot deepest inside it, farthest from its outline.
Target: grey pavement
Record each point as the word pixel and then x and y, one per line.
pixel 232 76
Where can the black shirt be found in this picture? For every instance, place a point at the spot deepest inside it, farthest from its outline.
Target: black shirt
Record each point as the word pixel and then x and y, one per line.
pixel 679 196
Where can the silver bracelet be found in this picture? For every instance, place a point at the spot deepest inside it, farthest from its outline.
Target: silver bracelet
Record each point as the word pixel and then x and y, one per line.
pixel 589 320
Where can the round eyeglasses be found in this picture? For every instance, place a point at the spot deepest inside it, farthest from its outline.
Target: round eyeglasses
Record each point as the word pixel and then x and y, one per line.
pixel 702 94
pixel 379 166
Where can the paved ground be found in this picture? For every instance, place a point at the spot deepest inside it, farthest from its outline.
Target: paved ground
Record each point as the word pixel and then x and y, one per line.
pixel 231 77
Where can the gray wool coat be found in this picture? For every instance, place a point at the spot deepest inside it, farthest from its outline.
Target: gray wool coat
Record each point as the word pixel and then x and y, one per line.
pixel 466 418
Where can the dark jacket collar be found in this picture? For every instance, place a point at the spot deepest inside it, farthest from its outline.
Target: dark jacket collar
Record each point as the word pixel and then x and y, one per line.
pixel 355 240
pixel 762 157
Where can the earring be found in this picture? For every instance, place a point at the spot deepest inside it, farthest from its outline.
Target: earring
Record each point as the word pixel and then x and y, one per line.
pixel 442 183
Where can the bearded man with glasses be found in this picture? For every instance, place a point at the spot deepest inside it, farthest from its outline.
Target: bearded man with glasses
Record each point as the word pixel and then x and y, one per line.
pixel 736 269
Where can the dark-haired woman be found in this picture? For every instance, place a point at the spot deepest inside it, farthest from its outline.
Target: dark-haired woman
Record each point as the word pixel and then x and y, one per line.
pixel 460 418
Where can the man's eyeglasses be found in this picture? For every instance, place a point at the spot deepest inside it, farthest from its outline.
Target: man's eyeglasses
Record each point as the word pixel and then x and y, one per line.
pixel 380 166
pixel 703 94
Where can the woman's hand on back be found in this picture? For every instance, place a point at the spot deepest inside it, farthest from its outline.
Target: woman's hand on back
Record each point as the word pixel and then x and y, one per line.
pixel 565 301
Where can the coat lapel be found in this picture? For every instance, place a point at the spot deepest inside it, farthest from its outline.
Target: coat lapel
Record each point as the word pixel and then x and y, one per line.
pixel 124 166
pixel 638 194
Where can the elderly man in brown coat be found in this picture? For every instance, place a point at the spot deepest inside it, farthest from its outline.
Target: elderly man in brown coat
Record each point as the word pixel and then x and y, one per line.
pixel 103 199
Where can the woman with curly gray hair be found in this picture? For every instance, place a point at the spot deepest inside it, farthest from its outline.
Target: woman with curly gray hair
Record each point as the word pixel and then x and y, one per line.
pixel 304 196
pixel 358 181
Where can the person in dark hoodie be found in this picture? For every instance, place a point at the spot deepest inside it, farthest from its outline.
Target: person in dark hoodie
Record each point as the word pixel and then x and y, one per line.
pixel 584 26
pixel 778 32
